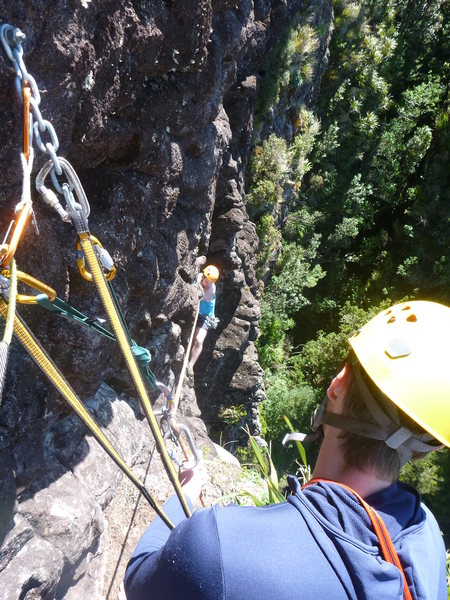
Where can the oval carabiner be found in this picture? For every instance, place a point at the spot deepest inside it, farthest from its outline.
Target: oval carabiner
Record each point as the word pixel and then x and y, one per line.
pixel 33 283
pixel 103 256
pixel 77 208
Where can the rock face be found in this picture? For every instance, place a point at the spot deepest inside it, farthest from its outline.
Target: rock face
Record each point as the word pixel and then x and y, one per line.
pixel 153 105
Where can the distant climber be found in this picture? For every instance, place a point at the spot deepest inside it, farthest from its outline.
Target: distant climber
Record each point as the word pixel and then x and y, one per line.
pixel 206 317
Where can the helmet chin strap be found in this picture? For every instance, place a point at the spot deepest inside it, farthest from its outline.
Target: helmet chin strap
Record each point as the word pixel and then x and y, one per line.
pixel 316 422
pixel 387 426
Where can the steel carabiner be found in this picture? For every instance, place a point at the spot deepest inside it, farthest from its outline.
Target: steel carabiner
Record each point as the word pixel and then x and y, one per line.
pixel 172 431
pixel 75 211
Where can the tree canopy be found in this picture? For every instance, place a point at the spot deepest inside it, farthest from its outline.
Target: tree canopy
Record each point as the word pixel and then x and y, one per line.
pixel 353 211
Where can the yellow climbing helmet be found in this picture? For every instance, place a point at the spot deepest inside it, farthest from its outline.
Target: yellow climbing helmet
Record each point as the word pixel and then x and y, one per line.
pixel 211 273
pixel 405 350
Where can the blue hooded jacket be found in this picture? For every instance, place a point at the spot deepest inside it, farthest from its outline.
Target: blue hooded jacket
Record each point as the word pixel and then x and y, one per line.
pixel 318 544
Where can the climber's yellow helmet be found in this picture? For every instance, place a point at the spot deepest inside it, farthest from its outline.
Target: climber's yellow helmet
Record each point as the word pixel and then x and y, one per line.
pixel 405 350
pixel 211 273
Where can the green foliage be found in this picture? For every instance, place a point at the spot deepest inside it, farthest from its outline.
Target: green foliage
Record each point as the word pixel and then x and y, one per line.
pixel 344 232
pixel 294 273
pixel 273 493
pixel 232 415
pixel 283 298
pixel 299 226
pixel 423 475
pixel 377 169
pixel 357 200
pixel 269 242
pixel 366 187
pixel 285 397
pixel 273 344
pixel 267 168
pixel 290 64
pixel 263 466
pixel 321 358
pixel 302 143
pixel 270 474
pixel 299 445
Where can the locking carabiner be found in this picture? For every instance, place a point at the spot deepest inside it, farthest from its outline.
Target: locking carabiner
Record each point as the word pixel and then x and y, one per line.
pixel 25 207
pixel 104 257
pixel 33 283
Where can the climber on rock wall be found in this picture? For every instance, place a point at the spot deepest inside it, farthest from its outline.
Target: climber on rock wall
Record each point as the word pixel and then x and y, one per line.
pixel 206 316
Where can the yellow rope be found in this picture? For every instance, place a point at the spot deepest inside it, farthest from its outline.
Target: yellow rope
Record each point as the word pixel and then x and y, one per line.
pixel 9 326
pixel 47 366
pixel 116 324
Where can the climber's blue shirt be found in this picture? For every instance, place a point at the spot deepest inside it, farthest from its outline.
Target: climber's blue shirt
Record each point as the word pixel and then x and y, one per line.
pixel 208 301
pixel 319 544
pixel 207 308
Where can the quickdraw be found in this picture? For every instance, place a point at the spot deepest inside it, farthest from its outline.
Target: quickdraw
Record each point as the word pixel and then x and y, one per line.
pixel 77 211
pixel 50 301
pixel 25 207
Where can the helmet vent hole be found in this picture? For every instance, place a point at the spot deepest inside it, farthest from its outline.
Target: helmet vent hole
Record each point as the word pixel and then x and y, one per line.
pixel 407 307
pixel 392 319
pixel 388 312
pixel 412 318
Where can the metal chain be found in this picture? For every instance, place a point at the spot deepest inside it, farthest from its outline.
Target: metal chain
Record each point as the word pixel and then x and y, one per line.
pixel 77 212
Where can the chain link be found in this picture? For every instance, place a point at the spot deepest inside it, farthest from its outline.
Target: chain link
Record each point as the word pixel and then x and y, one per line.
pixel 11 39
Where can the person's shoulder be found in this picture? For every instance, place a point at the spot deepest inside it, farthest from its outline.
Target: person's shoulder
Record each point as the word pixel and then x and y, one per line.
pixel 188 565
pixel 197 540
pixel 431 524
pixel 257 524
pixel 200 530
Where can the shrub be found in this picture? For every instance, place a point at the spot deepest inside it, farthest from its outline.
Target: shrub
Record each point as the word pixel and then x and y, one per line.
pixel 267 171
pixel 285 397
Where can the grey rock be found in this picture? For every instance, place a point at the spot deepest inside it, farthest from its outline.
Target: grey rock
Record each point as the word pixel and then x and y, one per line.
pixel 153 105
pixel 34 572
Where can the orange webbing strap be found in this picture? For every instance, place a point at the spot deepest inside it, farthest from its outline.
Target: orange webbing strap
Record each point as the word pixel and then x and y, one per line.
pixel 26 121
pixel 387 547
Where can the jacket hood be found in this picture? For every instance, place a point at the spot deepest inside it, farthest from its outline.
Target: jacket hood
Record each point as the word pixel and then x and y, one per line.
pixel 344 532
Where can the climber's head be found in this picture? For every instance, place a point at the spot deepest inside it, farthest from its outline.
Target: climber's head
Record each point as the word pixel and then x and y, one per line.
pixel 211 273
pixel 396 405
